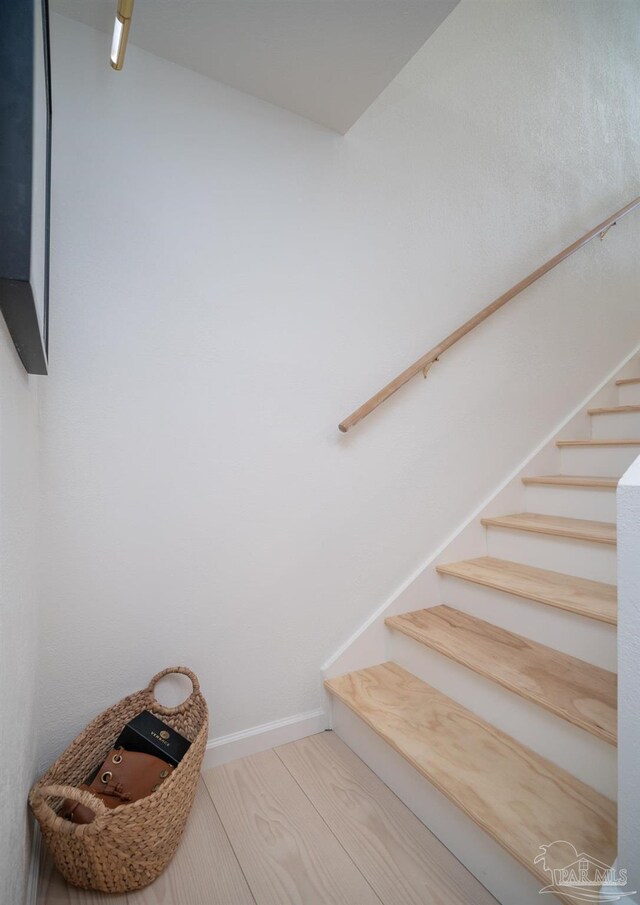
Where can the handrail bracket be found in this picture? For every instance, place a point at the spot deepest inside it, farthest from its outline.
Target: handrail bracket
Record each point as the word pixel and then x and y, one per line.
pixel 427 368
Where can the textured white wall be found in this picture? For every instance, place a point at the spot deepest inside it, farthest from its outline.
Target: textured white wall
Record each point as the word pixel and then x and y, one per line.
pixel 229 281
pixel 628 500
pixel 19 557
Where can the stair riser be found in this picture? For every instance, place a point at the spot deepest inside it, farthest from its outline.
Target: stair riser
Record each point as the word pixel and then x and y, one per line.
pixel 621 425
pixel 629 394
pixel 585 559
pixel 573 502
pixel 589 758
pixel 596 460
pixel 494 867
pixel 572 634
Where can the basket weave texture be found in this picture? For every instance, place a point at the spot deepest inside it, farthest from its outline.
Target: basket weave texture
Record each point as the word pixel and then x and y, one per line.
pixel 124 848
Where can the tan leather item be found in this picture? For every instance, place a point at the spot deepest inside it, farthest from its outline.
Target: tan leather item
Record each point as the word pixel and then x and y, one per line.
pixel 124 776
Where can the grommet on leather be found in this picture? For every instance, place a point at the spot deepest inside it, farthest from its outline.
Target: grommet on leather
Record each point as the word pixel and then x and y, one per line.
pixel 131 775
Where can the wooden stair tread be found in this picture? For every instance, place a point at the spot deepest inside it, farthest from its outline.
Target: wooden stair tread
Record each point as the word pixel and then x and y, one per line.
pixel 519 798
pixel 593 599
pixel 557 525
pixel 625 381
pixel 614 409
pixel 588 443
pixel 569 480
pixel 578 692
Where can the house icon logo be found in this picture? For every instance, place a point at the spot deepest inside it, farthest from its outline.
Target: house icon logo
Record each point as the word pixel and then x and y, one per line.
pixel 579 876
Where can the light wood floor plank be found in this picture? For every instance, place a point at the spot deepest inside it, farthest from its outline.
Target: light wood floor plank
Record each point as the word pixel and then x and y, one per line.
pixel 518 797
pixel 404 863
pixel 204 870
pixel 288 854
pixel 291 854
pixel 576 691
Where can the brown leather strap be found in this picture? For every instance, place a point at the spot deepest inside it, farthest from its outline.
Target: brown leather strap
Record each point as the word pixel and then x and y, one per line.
pixel 124 776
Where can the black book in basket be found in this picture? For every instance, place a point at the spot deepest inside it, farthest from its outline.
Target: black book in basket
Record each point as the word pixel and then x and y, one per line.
pixel 150 735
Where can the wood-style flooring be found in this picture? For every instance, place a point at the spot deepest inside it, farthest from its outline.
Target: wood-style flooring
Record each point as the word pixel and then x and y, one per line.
pixel 304 824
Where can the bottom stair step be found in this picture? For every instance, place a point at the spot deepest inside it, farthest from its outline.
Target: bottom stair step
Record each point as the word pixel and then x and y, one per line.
pixel 520 799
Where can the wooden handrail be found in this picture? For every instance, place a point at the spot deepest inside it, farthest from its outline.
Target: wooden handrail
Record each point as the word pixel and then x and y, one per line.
pixel 424 363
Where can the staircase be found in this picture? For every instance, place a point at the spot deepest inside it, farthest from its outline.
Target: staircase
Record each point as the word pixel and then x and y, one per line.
pixel 494 718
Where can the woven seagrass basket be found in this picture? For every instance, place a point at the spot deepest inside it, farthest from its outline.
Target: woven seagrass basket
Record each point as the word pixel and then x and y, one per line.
pixel 125 848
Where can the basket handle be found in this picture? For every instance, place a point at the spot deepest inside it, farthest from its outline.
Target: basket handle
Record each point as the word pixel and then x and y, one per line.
pixel 181 670
pixel 42 808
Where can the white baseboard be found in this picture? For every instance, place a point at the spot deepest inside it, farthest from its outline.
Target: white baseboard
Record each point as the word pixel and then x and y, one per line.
pixel 33 878
pixel 260 738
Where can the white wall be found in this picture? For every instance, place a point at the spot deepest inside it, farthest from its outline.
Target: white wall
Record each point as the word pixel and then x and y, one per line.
pixel 628 498
pixel 18 612
pixel 229 281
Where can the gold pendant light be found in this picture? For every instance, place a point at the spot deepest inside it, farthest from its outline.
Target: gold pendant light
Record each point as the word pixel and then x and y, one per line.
pixel 121 33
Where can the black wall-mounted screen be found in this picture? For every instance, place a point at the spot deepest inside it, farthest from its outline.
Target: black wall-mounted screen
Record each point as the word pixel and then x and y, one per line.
pixel 25 177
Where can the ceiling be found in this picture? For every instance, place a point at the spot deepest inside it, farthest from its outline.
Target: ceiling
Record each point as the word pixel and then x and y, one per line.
pixel 324 59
